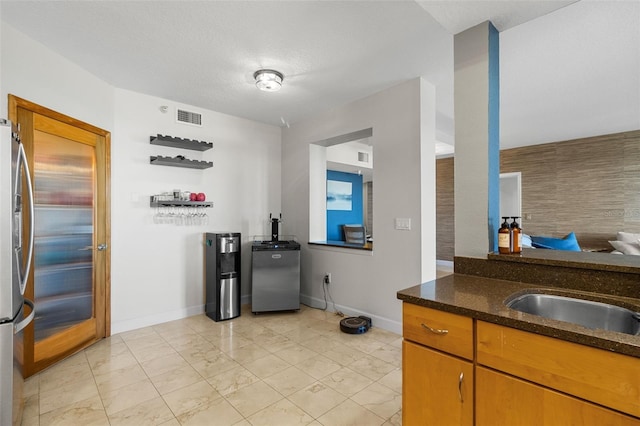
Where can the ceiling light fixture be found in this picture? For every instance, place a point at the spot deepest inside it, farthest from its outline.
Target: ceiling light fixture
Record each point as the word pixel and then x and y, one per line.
pixel 268 80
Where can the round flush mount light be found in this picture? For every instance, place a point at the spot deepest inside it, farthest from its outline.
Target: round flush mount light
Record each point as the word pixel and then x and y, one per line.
pixel 268 80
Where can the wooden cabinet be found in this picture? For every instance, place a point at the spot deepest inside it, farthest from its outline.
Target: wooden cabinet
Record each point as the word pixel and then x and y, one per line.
pixel 503 400
pixel 437 389
pixel 602 377
pixel 437 382
pixel 460 371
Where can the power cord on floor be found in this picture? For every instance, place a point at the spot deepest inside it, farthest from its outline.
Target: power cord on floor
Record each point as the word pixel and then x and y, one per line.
pixel 325 289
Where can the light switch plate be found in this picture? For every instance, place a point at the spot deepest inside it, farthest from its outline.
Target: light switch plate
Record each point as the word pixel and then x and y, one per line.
pixel 403 223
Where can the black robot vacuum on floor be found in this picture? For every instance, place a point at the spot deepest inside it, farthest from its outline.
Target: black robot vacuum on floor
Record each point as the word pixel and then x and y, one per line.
pixel 355 325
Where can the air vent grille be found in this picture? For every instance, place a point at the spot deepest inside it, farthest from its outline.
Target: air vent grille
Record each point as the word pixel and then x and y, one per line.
pixel 188 117
pixel 363 156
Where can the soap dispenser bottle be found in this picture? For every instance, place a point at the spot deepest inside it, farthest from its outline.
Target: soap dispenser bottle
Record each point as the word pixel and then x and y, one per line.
pixel 516 236
pixel 504 237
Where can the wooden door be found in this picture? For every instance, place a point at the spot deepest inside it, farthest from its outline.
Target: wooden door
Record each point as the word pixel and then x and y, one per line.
pixel 508 401
pixel 69 163
pixel 437 389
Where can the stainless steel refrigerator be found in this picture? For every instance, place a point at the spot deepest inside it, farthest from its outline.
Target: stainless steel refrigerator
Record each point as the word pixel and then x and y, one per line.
pixel 15 265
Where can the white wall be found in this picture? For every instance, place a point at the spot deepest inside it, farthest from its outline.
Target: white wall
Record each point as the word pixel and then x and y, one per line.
pixel 367 282
pixel 156 270
pixel 31 71
pixel 162 264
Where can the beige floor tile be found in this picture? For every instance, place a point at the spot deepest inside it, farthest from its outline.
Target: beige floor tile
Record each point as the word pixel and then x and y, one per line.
pixel 343 355
pixel 317 399
pixel 105 352
pixel 67 395
pixel 232 380
pixel 230 343
pixel 283 412
pixel 31 406
pixel 163 364
pixel 115 379
pixel 395 420
pixel 379 399
pixel 278 368
pixel 200 351
pixel 216 363
pixel 349 413
pixel 253 398
pixel 247 354
pixel 147 353
pixel 191 398
pixel 105 364
pixel 347 381
pixel 62 374
pixel 393 380
pixel 318 366
pixel 129 396
pixel 84 412
pixel 149 413
pixel 321 344
pixel 389 354
pixel 175 379
pixel 267 366
pixel 219 412
pixel 143 342
pixel 372 367
pixel 137 334
pixel 290 381
pixel 295 354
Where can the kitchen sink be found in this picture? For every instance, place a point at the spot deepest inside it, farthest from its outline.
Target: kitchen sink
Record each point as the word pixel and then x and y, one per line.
pixel 595 315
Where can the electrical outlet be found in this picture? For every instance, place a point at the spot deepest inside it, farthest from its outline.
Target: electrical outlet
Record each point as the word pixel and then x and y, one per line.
pixel 327 278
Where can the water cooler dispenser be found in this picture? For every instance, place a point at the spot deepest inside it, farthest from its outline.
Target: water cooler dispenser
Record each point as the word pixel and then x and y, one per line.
pixel 222 275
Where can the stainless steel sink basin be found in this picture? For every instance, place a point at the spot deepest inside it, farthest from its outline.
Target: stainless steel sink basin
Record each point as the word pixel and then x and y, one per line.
pixel 586 313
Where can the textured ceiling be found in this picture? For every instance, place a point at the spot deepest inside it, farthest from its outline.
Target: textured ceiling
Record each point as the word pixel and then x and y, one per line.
pixel 560 65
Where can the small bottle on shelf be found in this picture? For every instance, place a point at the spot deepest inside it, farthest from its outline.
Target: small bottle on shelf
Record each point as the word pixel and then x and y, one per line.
pixel 504 237
pixel 516 236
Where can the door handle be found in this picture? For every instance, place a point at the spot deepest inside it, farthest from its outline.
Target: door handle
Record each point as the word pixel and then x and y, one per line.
pixel 460 380
pixel 102 247
pixel 17 328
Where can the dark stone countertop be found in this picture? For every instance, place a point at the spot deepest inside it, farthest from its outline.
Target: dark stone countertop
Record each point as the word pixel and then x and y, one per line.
pixel 483 299
pixel 582 260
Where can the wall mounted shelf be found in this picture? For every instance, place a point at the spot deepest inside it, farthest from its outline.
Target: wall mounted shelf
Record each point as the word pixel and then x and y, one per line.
pixel 178 203
pixel 173 142
pixel 179 161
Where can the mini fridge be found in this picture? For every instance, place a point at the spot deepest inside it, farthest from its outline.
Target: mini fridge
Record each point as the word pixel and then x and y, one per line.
pixel 222 275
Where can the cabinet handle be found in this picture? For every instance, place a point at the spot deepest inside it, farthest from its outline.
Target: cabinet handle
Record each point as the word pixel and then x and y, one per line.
pixel 434 330
pixel 460 379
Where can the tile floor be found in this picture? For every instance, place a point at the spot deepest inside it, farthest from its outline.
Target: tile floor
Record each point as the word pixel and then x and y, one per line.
pixel 270 369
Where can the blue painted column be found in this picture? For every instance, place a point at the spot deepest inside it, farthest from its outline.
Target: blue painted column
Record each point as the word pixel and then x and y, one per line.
pixel 477 140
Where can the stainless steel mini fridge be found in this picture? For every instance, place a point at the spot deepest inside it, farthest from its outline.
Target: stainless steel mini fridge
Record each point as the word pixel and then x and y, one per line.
pixel 222 275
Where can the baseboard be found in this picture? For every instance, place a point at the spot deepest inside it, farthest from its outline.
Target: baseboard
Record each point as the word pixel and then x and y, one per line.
pixel 376 320
pixel 445 263
pixel 134 324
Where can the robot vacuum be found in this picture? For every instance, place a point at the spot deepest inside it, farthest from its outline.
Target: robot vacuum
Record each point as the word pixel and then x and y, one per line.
pixel 355 325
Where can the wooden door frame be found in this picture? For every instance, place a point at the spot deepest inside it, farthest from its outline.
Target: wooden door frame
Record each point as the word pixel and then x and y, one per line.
pixel 15 103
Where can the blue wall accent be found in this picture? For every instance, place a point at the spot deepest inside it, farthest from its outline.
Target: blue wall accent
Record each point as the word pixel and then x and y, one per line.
pixel 337 218
pixel 494 138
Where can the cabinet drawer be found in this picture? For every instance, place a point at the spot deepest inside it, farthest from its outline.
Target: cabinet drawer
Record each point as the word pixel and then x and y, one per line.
pixel 596 375
pixel 437 329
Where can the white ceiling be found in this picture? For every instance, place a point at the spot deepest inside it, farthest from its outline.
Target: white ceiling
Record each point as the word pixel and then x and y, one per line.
pixel 567 69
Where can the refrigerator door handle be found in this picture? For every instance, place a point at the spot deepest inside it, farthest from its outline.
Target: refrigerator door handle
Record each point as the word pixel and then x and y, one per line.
pixel 18 327
pixel 22 160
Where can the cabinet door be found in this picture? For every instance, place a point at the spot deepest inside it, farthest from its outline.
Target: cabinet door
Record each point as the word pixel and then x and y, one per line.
pixel 437 389
pixel 505 400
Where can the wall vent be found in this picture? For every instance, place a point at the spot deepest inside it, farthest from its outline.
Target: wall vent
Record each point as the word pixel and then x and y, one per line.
pixel 188 117
pixel 363 156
